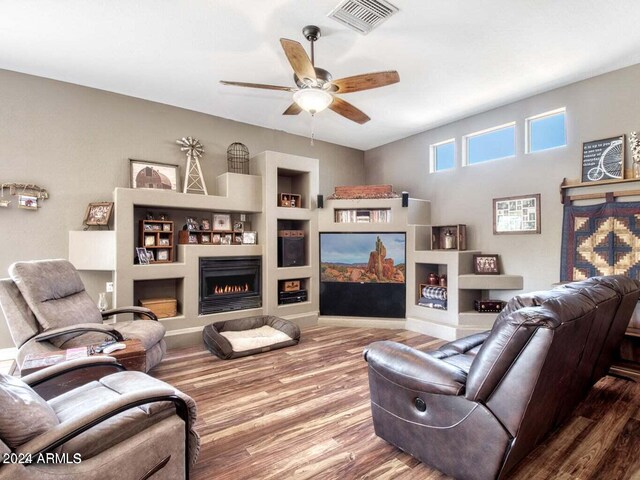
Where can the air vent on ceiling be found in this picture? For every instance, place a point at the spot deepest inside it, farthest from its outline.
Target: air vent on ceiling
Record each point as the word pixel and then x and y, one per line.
pixel 362 15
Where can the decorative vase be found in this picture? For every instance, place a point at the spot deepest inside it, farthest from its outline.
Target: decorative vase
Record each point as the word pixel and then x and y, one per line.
pixel 636 168
pixel 443 280
pixel 102 302
pixel 433 279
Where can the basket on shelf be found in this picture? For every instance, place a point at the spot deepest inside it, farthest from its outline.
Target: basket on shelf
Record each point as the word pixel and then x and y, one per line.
pixel 238 158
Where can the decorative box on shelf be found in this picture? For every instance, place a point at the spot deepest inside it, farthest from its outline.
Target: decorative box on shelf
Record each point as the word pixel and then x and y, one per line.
pixel 292 200
pixel 291 233
pixel 163 307
pixel 488 306
pixel 449 237
pixel 289 285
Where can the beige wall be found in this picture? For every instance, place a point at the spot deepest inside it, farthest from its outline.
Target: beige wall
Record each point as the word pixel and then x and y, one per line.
pixel 75 142
pixel 597 108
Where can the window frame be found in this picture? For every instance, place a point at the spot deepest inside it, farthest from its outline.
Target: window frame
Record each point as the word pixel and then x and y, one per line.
pixel 433 157
pixel 527 130
pixel 467 137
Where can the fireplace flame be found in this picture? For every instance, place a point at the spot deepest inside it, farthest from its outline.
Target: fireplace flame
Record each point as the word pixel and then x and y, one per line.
pixel 223 290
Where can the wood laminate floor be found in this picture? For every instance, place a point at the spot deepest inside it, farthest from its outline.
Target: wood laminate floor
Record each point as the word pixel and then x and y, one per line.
pixel 303 412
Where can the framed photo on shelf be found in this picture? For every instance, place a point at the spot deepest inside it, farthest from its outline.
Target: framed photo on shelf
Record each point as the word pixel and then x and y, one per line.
pixel 603 159
pixel 485 265
pixel 205 224
pixel 149 240
pixel 164 241
pixel 225 240
pixel 192 224
pixel 516 215
pixel 238 226
pixel 221 222
pixel 150 256
pixel 146 174
pixel 215 239
pixel 163 255
pixel 249 238
pixel 193 239
pixel 166 227
pixel 98 214
pixel 205 238
pixel 143 255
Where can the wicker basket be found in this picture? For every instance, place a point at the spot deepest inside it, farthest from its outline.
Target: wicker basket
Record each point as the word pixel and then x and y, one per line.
pixel 238 158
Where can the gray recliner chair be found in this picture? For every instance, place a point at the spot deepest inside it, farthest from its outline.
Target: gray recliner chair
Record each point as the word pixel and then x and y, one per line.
pixel 47 308
pixel 114 425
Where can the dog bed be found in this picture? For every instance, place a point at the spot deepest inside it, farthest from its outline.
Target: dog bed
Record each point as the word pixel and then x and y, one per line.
pixel 248 336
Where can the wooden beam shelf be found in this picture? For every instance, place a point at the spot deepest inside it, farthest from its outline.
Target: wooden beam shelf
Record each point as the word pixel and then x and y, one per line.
pixel 567 185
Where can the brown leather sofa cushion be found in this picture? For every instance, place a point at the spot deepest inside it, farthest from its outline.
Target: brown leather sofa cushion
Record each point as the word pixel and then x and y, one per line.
pixel 24 414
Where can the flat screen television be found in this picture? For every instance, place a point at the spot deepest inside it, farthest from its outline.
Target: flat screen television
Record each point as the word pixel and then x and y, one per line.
pixel 363 274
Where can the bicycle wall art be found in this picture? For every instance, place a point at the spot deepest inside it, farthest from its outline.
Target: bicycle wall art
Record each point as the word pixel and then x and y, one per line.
pixel 603 159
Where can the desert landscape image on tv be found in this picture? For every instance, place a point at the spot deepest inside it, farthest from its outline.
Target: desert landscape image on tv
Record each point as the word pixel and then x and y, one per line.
pixel 362 257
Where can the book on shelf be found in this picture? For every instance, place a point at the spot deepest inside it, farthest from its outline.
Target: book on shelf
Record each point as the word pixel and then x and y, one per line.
pixel 363 216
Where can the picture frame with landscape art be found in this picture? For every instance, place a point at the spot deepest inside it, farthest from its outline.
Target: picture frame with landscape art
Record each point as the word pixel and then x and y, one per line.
pixel 516 215
pixel 145 174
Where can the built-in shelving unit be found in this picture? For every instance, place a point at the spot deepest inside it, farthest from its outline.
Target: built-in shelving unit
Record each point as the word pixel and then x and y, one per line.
pixel 287 177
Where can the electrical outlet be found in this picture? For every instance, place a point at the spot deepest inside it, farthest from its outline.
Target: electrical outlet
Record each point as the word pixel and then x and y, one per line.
pixel 109 287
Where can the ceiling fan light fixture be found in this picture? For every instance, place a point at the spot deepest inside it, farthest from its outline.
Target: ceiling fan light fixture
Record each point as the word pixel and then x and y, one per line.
pixel 313 99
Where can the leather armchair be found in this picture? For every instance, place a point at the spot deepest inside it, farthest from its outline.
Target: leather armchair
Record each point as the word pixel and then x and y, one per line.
pixel 47 308
pixel 122 425
pixel 478 405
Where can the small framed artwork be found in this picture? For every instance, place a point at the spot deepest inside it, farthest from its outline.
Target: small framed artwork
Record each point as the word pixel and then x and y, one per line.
pixel 221 221
pixel 516 215
pixel 146 174
pixel 27 201
pixel 164 241
pixel 193 239
pixel 215 239
pixel 225 240
pixel 205 238
pixel 238 226
pixel 249 238
pixel 166 227
pixel 163 255
pixel 485 265
pixel 98 214
pixel 143 256
pixel 205 224
pixel 150 256
pixel 603 159
pixel 149 240
pixel 237 239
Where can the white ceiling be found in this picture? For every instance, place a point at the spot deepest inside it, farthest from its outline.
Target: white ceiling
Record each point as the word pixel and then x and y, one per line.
pixel 455 57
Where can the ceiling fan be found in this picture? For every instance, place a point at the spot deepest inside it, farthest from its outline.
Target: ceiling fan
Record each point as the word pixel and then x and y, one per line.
pixel 316 90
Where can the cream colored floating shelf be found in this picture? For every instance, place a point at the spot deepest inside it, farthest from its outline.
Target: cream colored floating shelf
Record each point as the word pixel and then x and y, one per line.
pixel 490 282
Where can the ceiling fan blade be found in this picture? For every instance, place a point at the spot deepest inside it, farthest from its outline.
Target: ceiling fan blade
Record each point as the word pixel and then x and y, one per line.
pixel 259 85
pixel 294 109
pixel 298 59
pixel 348 111
pixel 365 81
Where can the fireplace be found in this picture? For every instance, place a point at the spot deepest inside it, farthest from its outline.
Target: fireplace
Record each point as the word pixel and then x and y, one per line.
pixel 229 283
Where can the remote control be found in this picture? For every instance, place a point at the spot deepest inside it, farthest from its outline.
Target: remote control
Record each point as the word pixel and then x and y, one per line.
pixel 112 348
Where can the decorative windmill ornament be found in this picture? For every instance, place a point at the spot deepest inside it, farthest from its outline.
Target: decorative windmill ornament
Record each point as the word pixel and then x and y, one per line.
pixel 194 181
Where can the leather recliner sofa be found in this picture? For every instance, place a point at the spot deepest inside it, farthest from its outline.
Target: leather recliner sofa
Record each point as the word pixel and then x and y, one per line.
pixel 478 405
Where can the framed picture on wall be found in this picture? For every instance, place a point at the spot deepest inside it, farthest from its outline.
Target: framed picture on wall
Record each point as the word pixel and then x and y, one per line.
pixel 603 159
pixel 146 174
pixel 516 215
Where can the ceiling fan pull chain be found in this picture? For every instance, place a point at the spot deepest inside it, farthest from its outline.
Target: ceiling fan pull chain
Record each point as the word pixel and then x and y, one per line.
pixel 313 123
